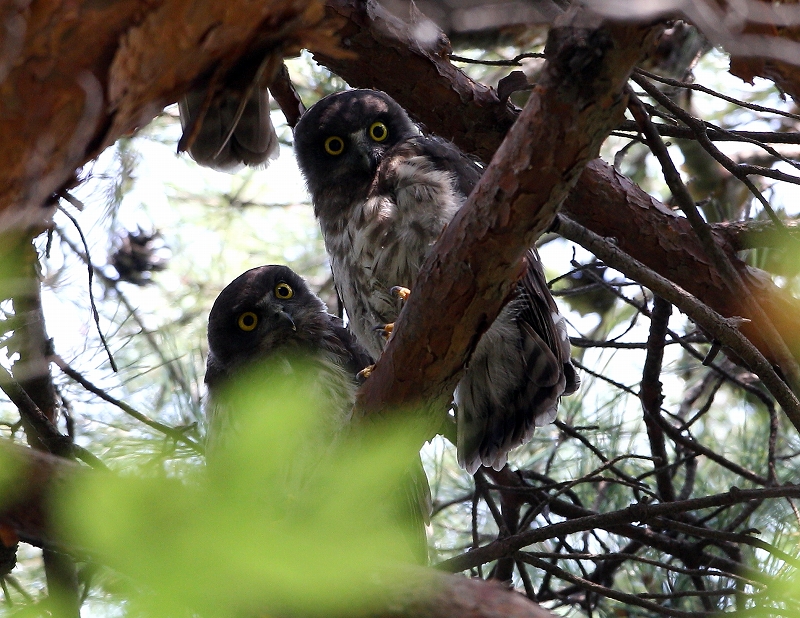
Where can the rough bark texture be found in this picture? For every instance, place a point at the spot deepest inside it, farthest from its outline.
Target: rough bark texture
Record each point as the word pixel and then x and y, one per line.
pixel 386 55
pixel 653 234
pixel 437 595
pixel 602 200
pixel 73 78
pixel 76 76
pixel 476 261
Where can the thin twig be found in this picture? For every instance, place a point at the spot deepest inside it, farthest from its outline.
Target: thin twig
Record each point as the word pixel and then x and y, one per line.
pixel 95 313
pixel 639 512
pixel 716 134
pixel 47 432
pixel 513 62
pixel 651 395
pixel 717 326
pixel 697 87
pixel 684 199
pixel 175 434
pixel 700 130
pixel 628 599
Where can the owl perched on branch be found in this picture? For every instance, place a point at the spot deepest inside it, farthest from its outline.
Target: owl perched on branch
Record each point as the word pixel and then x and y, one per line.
pixel 269 313
pixel 383 192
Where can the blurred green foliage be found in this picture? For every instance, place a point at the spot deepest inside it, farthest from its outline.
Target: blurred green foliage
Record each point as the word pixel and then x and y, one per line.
pixel 278 522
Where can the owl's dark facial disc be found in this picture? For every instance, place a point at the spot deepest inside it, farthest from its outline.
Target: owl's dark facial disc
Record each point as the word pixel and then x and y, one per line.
pixel 340 141
pixel 258 313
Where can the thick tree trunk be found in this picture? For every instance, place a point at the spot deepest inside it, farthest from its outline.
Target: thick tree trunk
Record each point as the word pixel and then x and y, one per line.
pixel 76 76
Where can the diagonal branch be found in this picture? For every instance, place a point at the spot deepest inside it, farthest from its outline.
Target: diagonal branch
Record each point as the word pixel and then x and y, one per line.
pixel 724 331
pixel 478 257
pixel 453 106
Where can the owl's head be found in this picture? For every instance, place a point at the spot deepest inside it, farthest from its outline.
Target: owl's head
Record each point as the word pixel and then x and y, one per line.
pixel 340 141
pixel 263 310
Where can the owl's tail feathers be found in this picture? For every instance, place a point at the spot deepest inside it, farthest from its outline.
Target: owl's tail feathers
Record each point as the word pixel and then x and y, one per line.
pixel 228 131
pixel 507 392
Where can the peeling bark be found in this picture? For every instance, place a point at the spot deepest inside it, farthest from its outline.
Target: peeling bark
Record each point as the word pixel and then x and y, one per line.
pixel 76 76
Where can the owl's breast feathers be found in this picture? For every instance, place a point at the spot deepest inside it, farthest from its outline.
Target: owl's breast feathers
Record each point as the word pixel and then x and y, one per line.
pixel 386 236
pixel 381 206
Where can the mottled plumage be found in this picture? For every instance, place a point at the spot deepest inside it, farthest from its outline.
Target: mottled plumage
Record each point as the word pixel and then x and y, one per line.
pixel 383 192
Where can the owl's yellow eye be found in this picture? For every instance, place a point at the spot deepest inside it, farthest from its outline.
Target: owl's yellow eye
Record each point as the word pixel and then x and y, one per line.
pixel 247 321
pixel 378 131
pixel 284 291
pixel 334 145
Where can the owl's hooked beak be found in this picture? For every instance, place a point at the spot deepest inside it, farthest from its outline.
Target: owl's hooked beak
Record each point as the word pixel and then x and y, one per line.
pixel 369 154
pixel 279 318
pixel 287 319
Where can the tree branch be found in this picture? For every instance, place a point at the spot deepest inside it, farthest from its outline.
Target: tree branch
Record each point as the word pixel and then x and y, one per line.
pixel 83 74
pixel 478 257
pixel 725 331
pixel 652 396
pixel 447 102
pixel 640 512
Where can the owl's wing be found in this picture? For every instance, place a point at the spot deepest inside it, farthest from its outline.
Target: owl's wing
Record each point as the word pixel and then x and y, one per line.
pixel 540 320
pixel 253 140
pixel 352 354
pixel 447 157
pixel 516 376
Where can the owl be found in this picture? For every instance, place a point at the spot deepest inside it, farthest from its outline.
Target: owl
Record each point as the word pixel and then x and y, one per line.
pixel 383 192
pixel 269 313
pixel 235 130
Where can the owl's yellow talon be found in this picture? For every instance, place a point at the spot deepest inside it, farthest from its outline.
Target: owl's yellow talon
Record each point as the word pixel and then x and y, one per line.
pixel 400 292
pixel 365 372
pixel 385 329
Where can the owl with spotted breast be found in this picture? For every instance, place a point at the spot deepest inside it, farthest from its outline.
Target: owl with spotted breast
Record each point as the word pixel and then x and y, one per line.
pixel 383 192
